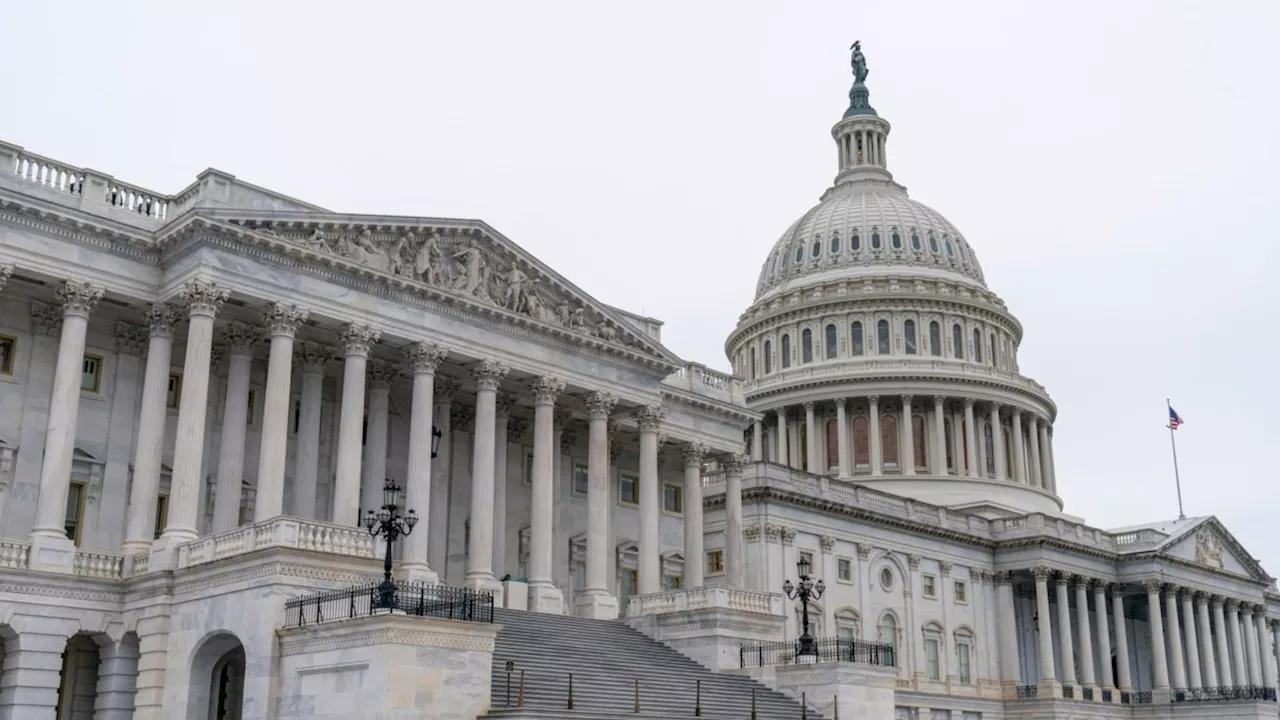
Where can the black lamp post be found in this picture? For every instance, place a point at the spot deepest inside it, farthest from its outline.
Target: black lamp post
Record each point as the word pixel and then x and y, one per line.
pixel 392 527
pixel 807 590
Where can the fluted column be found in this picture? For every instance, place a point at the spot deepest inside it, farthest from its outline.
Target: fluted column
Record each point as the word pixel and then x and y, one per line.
pixel 1155 622
pixel 140 529
pixel 282 322
pixel 596 601
pixel 1019 468
pixel 424 358
pixel 203 299
pixel 939 436
pixel 306 456
pixel 374 473
pixel 502 440
pixel 1178 676
pixel 693 547
pixel 971 441
pixel 1044 635
pixel 1191 646
pixel 238 339
pixel 842 442
pixel 873 439
pixel 1226 674
pixel 1104 635
pixel 442 473
pixel 812 458
pixel 780 438
pixel 1207 665
pixel 355 341
pixel 997 443
pixel 1007 630
pixel 78 299
pixel 1065 644
pixel 1122 639
pixel 544 596
pixel 1050 468
pixel 1251 644
pixel 1238 653
pixel 907 444
pixel 1082 628
pixel 488 375
pixel 1266 656
pixel 650 420
pixel 734 555
pixel 1036 478
pixel 757 440
pixel 1275 651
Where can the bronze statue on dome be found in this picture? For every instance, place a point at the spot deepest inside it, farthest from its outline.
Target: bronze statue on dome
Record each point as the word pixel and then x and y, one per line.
pixel 859 62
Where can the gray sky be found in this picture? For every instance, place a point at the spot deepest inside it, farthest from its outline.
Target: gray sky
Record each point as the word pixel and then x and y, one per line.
pixel 1113 164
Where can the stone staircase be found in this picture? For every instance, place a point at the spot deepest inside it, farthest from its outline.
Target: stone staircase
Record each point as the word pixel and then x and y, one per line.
pixel 606 659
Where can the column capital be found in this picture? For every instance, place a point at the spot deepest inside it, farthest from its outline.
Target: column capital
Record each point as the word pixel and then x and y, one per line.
pixel 425 358
pixel 808 406
pixel 1153 587
pixel 516 429
pixel 130 339
pixel 694 454
pixel 1063 579
pixel 1002 577
pixel 78 297
pixel 752 533
pixel 968 403
pixel 1100 587
pixel 649 417
pixel 312 357
pixel 1015 412
pixel 203 297
pixel 161 319
pixel 1232 605
pixel 864 551
pixel 488 374
pixel 841 402
pixel 445 388
pixel 734 463
pixel 913 561
pixel 284 319
pixel 560 417
pixel 1216 601
pixel 600 404
pixel 381 373
pixel 1117 590
pixel 828 543
pixel 939 399
pixel 945 568
pixel 356 339
pixel 5 272
pixel 1082 581
pixel 873 399
pixel 504 402
pixel 546 389
pixel 1042 572
pixel 1200 596
pixel 239 338
pixel 788 535
pixel 906 401
pixel 46 320
pixel 1185 593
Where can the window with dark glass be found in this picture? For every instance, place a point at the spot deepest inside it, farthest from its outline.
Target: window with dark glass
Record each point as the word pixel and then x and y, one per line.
pixel 817 248
pixel 950 250
pixel 855 242
pixel 804 447
pixel 935 339
pixel 753 363
pixel 786 351
pixel 833 444
pixel 875 240
pixel 918 439
pixel 882 337
pixel 768 357
pixel 933 243
pixel 977 345
pixel 991 349
pixel 831 342
pixel 8 346
pixel 806 345
pixel 799 254
pixel 896 239
pixel 889 440
pixel 989 446
pixel 855 339
pixel 957 339
pixel 949 443
pixel 835 243
pixel 915 242
pixel 861 447
pixel 909 336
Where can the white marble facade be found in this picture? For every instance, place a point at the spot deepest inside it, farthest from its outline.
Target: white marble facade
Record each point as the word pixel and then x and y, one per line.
pixel 193 377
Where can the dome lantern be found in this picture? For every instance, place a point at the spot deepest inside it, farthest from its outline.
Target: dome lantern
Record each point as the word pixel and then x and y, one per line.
pixel 861 134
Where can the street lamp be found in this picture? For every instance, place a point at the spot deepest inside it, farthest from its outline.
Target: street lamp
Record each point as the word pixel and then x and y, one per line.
pixel 391 526
pixel 807 590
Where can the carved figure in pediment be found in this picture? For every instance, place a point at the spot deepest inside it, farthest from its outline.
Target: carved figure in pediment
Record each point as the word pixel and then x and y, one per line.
pixel 475 271
pixel 514 297
pixel 365 251
pixel 605 331
pixel 571 317
pixel 430 264
pixel 317 241
pixel 1208 549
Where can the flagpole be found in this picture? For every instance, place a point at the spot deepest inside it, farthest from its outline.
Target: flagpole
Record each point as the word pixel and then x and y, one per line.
pixel 1174 445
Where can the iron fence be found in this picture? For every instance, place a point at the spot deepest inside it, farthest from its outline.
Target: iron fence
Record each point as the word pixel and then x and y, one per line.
pixel 418 599
pixel 1225 694
pixel 826 649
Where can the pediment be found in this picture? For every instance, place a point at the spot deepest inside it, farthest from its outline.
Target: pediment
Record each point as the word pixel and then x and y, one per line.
pixel 79 455
pixel 1210 545
pixel 462 262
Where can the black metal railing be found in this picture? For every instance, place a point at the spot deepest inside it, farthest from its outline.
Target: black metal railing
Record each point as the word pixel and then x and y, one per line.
pixel 1106 695
pixel 418 599
pixel 1028 692
pixel 1086 693
pixel 826 649
pixel 1142 697
pixel 1226 694
pixel 1069 692
pixel 1126 698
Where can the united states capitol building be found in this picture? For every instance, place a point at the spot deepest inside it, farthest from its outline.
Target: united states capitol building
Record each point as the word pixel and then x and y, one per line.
pixel 202 393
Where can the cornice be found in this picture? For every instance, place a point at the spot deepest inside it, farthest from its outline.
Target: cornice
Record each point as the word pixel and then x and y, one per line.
pixel 712 405
pixel 59 221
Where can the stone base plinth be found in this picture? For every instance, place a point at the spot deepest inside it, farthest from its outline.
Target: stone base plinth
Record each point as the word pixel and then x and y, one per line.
pixel 488 584
pixel 418 573
pixel 52 553
pixel 515 595
pixel 546 598
pixel 709 624
pixel 386 666
pixel 597 605
pixel 859 691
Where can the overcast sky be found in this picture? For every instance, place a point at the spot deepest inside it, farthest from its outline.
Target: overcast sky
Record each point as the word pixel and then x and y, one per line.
pixel 1113 164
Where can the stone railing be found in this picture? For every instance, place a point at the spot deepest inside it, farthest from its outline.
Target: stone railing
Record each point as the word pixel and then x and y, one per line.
pixel 93 564
pixel 702 380
pixel 702 598
pixel 282 532
pixel 14 555
pixel 839 369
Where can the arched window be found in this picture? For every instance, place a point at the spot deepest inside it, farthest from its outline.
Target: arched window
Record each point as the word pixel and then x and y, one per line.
pixel 957 339
pixel 806 345
pixel 786 351
pixel 949 441
pixel 888 631
pixel 833 444
pixel 768 357
pixel 933 243
pixel 753 363
pixel 855 339
pixel 977 345
pixel 915 242
pixel 1008 452
pixel 882 337
pixel 803 450
pixel 991 349
pixel 889 440
pixel 861 448
pixel 835 243
pixel 855 242
pixel 817 248
pixel 935 339
pixel 831 342
pixel 990 447
pixel 918 439
pixel 909 336
pixel 896 239
pixel 799 254
pixel 950 250
pixel 875 240
pixel 847 626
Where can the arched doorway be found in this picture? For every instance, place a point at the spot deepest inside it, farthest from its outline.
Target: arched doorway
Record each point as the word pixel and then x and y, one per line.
pixel 217 679
pixel 78 680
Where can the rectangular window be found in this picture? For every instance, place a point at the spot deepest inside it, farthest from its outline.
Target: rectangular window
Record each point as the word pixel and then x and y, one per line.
pixel 962 591
pixel 844 570
pixel 672 499
pixel 581 480
pixel 845 633
pixel 672 582
pixel 174 393
pixel 630 581
pixel 929 586
pixel 962 663
pixel 75 511
pixel 628 489
pixel 91 373
pixel 931 659
pixel 8 348
pixel 528 468
pixel 162 514
pixel 253 403
pixel 715 562
pixel 806 556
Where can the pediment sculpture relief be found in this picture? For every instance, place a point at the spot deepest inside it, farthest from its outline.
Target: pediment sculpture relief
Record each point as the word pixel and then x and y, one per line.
pixel 1208 549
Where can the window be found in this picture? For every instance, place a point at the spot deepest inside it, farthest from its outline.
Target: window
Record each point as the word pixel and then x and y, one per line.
pixel 962 662
pixel 628 489
pixel 935 339
pixel 861 448
pixel 909 336
pixel 673 499
pixel 875 240
pixel 957 339
pixel 175 391
pixel 918 439
pixel 882 337
pixel 1008 452
pixel 888 629
pixel 528 467
pixel 807 557
pixel 950 445
pixel 8 347
pixel 715 562
pixel 929 586
pixel 889 440
pixel 950 250
pixel 915 242
pixel 831 342
pixel 806 346
pixel 672 582
pixel 833 444
pixel 768 357
pixel 162 514
pixel 91 373
pixel 931 659
pixel 896 239
pixel 799 254
pixel 855 242
pixel 753 363
pixel 855 339
pixel 630 582
pixel 786 351
pixel 886 578
pixel 977 345
pixel 817 248
pixel 961 591
pixel 991 349
pixel 933 243
pixel 75 511
pixel 844 570
pixel 581 480
pixel 835 243
pixel 253 403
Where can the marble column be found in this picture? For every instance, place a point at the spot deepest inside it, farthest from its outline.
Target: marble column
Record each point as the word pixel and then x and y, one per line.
pixel 1207 664
pixel 238 339
pixel 1266 657
pixel 355 341
pixel 1104 635
pixel 203 298
pixel 907 444
pixel 694 554
pixel 140 529
pixel 971 441
pixel 423 359
pixel 283 321
pixel 873 435
pixel 1155 623
pixel 842 441
pixel 650 564
pixel 812 460
pixel 1082 629
pixel 1190 644
pixel 51 548
pixel 997 443
pixel 502 434
pixel 1033 445
pixel 488 375
pixel 1007 630
pixel 1122 639
pixel 596 601
pixel 939 436
pixel 757 440
pixel 1249 631
pixel 735 565
pixel 1044 634
pixel 378 414
pixel 1050 468
pixel 779 452
pixel 1019 452
pixel 441 474
pixel 544 596
pixel 1065 644
pixel 1178 674
pixel 1238 666
pixel 1226 676
pixel 312 358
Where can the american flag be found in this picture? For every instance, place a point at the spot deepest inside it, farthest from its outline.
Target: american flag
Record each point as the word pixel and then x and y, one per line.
pixel 1174 420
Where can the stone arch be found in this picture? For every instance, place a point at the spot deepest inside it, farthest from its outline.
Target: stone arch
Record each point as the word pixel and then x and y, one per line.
pixel 902 579
pixel 77 694
pixel 217 678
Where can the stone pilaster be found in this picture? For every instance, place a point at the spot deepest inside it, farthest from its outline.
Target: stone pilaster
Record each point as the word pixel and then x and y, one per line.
pixel 283 321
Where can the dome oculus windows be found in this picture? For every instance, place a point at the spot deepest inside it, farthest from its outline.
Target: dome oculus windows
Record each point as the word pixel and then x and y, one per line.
pixel 835 243
pixel 875 240
pixel 915 242
pixel 799 254
pixel 817 247
pixel 896 239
